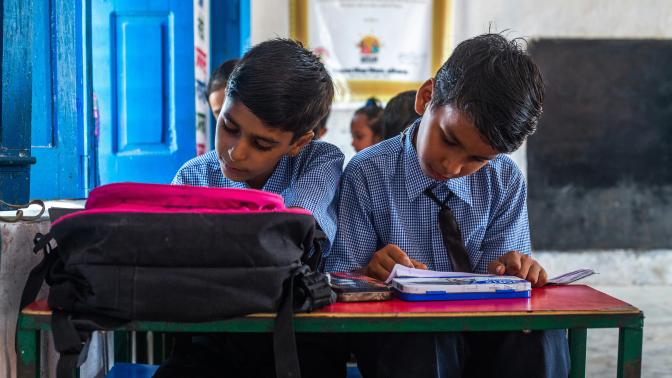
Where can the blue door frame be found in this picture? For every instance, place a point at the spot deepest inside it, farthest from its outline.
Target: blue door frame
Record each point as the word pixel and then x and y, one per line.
pixel 229 35
pixel 61 98
pixel 229 30
pixel 15 106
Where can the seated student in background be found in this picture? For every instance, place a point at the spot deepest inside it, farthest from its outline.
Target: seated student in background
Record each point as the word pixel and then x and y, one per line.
pixel 366 126
pixel 484 102
pixel 264 141
pixel 399 113
pixel 216 90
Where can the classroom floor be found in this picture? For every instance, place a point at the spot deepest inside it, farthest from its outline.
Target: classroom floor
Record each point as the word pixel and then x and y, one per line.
pixel 656 302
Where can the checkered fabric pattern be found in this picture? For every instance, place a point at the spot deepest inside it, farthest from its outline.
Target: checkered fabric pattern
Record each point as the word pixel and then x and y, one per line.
pixel 308 180
pixel 382 202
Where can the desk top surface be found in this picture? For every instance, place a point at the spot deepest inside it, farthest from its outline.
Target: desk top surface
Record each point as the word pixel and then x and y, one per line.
pixel 568 299
pixel 550 300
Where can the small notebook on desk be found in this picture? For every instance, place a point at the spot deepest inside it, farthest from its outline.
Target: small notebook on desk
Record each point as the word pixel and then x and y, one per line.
pixel 353 287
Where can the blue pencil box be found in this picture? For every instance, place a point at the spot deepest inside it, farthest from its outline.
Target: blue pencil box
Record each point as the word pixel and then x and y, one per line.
pixel 460 288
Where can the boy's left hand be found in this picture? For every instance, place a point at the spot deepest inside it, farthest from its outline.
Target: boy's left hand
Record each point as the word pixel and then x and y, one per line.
pixel 520 265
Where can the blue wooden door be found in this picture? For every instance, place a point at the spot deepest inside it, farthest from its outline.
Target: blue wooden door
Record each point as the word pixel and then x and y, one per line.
pixel 60 101
pixel 143 80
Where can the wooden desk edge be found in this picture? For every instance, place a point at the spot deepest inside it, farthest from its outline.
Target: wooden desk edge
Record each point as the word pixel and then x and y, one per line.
pixel 633 311
pixel 624 311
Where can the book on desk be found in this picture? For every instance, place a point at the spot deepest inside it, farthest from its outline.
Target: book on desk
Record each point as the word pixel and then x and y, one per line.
pixel 426 285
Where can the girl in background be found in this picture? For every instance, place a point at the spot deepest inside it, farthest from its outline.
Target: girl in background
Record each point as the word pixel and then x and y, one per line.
pixel 216 90
pixel 399 113
pixel 366 126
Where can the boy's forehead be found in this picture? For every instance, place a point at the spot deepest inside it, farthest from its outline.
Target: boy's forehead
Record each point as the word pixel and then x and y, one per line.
pixel 450 114
pixel 461 125
pixel 236 112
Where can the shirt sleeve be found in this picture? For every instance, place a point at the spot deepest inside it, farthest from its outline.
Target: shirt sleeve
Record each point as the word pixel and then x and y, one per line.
pixel 509 229
pixel 316 188
pixel 356 239
pixel 178 180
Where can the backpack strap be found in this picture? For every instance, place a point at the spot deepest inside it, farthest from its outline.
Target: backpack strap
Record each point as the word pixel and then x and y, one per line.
pixel 284 340
pixel 67 339
pixel 72 344
pixel 39 272
pixel 305 290
pixel 72 337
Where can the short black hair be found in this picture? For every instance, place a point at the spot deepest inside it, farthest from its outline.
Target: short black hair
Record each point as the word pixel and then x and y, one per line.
pixel 321 125
pixel 374 113
pixel 399 113
pixel 496 83
pixel 220 76
pixel 283 84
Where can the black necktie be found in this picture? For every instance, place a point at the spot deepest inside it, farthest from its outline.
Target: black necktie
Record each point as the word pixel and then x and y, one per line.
pixel 450 232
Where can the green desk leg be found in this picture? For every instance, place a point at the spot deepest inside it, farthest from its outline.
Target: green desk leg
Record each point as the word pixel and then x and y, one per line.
pixel 28 353
pixel 630 352
pixel 122 349
pixel 577 352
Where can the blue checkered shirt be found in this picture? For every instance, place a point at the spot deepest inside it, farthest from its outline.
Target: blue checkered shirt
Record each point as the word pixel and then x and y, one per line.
pixel 308 180
pixel 382 202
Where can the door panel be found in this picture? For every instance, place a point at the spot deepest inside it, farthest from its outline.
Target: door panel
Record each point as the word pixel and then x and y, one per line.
pixel 58 117
pixel 143 74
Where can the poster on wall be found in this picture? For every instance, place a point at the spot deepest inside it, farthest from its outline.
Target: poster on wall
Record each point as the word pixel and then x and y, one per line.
pixel 201 72
pixel 373 47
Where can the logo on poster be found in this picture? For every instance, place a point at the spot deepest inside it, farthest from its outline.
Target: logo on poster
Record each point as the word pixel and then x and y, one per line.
pixel 369 47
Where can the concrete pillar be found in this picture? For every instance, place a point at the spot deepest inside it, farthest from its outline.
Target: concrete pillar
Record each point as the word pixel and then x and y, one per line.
pixel 16 261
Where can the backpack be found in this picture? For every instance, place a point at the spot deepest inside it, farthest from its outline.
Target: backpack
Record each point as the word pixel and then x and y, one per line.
pixel 220 253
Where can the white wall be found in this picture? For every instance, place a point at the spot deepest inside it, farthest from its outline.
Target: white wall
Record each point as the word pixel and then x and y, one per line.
pixel 564 18
pixel 270 19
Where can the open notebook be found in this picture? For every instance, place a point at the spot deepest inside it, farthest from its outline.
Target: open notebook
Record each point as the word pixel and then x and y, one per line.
pixel 426 285
pixel 404 271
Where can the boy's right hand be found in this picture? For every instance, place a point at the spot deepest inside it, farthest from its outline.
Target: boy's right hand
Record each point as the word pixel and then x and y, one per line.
pixel 384 259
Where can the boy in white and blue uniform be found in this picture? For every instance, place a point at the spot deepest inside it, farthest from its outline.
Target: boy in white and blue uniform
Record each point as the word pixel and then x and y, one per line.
pixel 382 202
pixel 275 97
pixel 265 141
pixel 485 100
pixel 308 180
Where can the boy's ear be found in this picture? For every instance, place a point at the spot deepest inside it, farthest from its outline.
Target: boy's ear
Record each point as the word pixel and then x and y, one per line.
pixel 299 143
pixel 424 96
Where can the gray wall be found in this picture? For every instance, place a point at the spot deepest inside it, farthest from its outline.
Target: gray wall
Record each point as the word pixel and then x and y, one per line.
pixel 600 164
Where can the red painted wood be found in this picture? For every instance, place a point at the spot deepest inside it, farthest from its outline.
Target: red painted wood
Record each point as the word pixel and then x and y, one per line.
pixel 37 307
pixel 546 299
pixel 550 298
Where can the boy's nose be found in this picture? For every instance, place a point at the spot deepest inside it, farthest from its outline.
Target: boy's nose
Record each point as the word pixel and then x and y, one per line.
pixel 237 152
pixel 452 168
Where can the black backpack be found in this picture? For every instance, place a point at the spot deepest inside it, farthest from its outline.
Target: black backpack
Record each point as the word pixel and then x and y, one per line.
pixel 219 253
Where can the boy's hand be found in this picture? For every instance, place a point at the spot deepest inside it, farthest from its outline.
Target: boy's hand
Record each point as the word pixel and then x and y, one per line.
pixel 520 265
pixel 383 261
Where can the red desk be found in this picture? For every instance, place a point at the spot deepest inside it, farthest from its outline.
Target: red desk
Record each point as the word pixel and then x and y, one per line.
pixel 574 307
